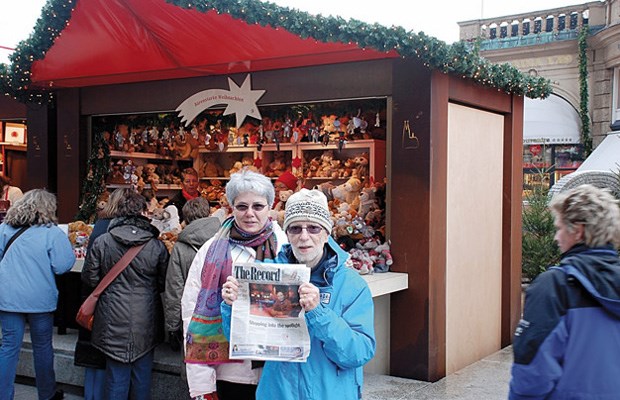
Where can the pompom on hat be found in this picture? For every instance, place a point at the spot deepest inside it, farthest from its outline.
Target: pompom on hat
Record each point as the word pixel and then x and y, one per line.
pixel 308 205
pixel 288 179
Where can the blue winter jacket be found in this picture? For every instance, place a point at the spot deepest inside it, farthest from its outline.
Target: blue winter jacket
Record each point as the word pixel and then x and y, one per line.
pixel 27 270
pixel 342 337
pixel 567 346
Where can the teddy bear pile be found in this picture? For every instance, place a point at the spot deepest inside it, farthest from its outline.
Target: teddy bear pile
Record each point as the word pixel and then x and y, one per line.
pixel 358 217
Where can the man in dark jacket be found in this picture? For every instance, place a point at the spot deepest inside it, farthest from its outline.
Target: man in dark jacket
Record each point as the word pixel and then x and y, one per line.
pixel 128 321
pixel 567 345
pixel 200 228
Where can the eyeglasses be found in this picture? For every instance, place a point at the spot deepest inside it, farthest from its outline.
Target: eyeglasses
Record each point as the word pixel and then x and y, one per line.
pixel 311 229
pixel 255 207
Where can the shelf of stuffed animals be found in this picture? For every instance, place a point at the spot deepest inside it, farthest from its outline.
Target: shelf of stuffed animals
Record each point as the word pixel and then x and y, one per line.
pixel 364 159
pixel 277 158
pixel 153 171
pixel 216 164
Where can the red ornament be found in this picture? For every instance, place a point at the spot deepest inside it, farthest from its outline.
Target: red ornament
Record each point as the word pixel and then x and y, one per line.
pixel 535 149
pixel 258 162
pixel 296 162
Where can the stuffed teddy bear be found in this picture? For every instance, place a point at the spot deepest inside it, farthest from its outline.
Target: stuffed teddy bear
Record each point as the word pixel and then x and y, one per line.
pixel 284 195
pixel 211 168
pixel 348 192
pixel 166 219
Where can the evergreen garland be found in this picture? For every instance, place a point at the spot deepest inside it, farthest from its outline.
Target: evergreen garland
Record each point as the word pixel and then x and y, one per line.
pixel 459 58
pixel 584 113
pixel 94 185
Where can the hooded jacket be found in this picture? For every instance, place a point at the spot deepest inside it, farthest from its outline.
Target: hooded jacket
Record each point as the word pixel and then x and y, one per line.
pixel 191 238
pixel 128 318
pixel 567 345
pixel 342 337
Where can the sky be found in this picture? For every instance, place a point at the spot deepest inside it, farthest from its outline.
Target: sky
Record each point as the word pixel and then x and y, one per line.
pixel 437 18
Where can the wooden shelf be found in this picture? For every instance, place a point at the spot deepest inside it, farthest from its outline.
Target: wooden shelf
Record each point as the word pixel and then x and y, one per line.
pixel 161 186
pixel 147 156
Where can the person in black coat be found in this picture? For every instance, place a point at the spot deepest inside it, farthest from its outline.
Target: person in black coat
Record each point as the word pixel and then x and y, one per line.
pixel 128 321
pixel 85 354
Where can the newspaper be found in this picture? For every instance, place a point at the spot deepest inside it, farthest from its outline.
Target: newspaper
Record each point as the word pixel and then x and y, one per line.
pixel 267 321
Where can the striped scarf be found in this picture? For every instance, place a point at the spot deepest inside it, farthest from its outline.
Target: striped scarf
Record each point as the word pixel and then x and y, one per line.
pixel 205 341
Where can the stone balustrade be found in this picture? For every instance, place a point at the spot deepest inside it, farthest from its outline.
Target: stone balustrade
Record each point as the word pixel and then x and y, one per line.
pixel 554 21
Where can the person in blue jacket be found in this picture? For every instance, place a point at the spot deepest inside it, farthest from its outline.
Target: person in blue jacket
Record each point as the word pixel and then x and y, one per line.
pixel 338 311
pixel 567 346
pixel 28 290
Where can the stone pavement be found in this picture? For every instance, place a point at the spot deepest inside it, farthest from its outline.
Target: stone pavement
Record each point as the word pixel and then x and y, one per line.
pixel 484 380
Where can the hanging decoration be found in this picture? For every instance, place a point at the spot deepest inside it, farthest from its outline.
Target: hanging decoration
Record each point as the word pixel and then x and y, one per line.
pixel 461 58
pixel 239 100
pixel 95 183
pixel 584 111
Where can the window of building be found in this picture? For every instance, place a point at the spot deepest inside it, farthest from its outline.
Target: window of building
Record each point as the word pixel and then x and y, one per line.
pixel 615 117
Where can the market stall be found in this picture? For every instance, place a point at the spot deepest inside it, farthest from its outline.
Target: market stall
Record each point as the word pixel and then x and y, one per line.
pixel 453 220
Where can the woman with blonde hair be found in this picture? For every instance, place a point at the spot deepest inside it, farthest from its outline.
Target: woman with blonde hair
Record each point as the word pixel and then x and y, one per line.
pixel 32 250
pixel 567 345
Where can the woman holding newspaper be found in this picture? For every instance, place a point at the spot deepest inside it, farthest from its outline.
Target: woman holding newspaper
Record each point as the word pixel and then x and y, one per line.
pixel 338 310
pixel 249 235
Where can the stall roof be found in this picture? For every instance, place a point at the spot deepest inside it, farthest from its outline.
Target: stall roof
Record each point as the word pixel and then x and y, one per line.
pixel 117 41
pixel 97 42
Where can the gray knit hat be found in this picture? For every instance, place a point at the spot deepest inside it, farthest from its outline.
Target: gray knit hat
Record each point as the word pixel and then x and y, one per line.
pixel 308 205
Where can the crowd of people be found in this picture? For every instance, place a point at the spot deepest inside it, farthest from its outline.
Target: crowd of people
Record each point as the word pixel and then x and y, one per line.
pixel 565 346
pixel 193 280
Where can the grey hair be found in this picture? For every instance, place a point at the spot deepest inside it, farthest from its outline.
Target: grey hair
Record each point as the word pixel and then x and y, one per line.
pixel 130 203
pixel 111 208
pixel 249 181
pixel 596 209
pixel 36 207
pixel 195 209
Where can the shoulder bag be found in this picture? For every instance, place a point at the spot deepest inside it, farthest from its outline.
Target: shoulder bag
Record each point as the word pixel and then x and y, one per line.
pixel 86 313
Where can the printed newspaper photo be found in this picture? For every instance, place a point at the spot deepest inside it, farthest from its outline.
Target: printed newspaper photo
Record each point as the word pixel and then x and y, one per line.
pixel 267 321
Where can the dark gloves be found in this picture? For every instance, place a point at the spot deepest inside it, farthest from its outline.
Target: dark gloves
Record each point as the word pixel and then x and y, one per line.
pixel 175 339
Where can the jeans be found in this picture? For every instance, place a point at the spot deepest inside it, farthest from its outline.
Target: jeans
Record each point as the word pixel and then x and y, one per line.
pixel 41 328
pixel 121 379
pixel 94 383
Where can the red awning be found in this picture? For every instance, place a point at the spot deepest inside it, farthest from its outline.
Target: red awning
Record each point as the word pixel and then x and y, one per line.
pixel 119 41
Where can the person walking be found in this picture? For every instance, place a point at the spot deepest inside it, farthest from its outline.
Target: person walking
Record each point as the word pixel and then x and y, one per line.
pixel 200 228
pixel 338 310
pixel 128 320
pixel 567 345
pixel 32 250
pixel 247 236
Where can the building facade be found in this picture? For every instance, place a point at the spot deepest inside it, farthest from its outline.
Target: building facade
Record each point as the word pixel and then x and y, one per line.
pixel 545 43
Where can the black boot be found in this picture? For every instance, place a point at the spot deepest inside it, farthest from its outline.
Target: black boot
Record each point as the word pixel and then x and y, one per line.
pixel 59 395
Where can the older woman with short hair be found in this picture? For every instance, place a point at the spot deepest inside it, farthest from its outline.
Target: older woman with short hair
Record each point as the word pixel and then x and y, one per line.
pixel 567 345
pixel 28 291
pixel 247 236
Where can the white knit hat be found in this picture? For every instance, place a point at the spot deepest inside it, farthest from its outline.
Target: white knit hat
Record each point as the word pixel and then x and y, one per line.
pixel 308 205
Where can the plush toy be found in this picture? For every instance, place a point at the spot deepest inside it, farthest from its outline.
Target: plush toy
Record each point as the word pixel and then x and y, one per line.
pixel 211 168
pixel 79 232
pixel 361 261
pixel 169 239
pixel 361 166
pixel 348 191
pixel 166 219
pixel 382 257
pixel 150 176
pixel 102 200
pixel 284 195
pixel 367 201
pixel 236 167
